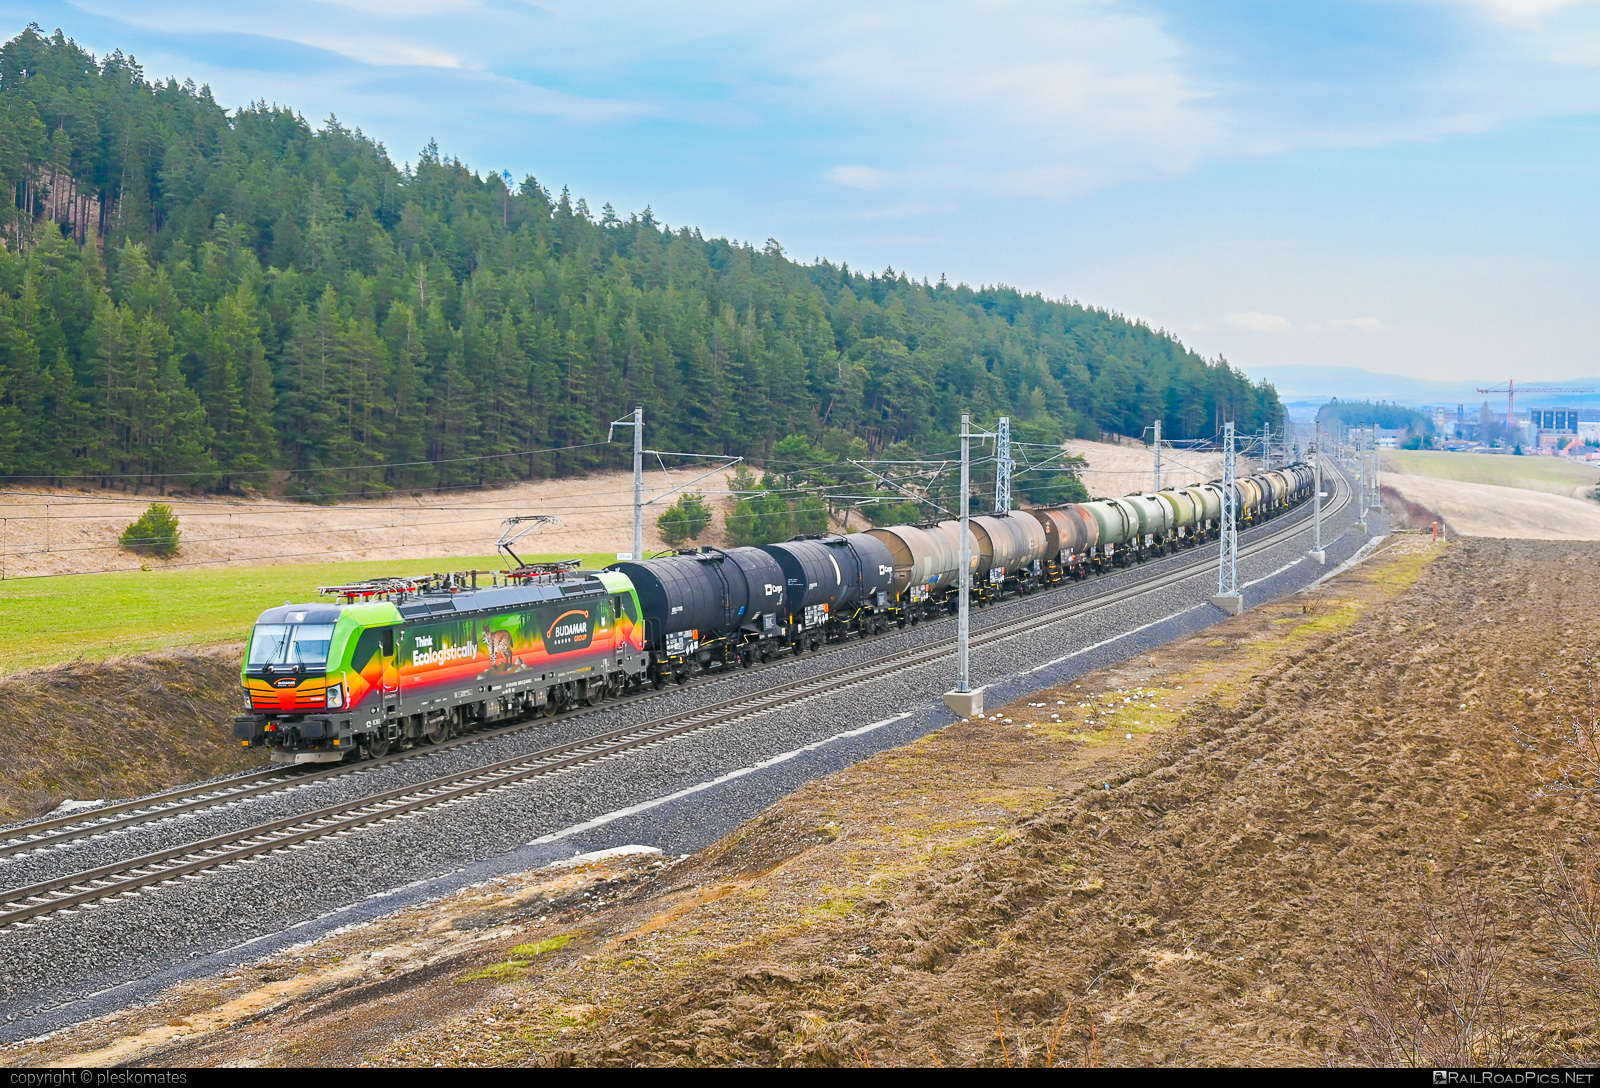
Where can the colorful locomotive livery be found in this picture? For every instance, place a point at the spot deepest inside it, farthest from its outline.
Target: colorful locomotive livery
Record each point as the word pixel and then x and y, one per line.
pixel 433 656
pixel 401 661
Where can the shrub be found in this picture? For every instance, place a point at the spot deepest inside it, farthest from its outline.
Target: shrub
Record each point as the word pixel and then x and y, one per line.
pixel 673 525
pixel 885 512
pixel 810 516
pixel 695 510
pixel 154 533
pixel 760 520
pixel 688 517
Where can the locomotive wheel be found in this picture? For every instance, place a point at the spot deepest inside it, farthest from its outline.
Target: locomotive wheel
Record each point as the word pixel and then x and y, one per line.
pixel 594 694
pixel 436 731
pixel 377 746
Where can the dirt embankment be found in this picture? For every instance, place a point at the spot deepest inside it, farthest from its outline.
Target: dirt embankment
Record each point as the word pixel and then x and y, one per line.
pixel 118 728
pixel 1117 469
pixel 1243 848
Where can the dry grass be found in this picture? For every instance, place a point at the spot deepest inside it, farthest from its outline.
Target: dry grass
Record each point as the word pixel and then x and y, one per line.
pixel 118 728
pixel 1506 512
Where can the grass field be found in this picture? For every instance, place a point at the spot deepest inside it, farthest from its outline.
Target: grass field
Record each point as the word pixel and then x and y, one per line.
pixel 47 620
pixel 1552 475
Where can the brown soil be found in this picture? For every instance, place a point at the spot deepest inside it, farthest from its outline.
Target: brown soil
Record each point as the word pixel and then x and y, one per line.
pixel 92 730
pixel 1198 857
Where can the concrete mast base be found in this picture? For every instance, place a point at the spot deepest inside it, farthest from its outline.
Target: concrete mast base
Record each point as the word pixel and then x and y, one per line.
pixel 968 704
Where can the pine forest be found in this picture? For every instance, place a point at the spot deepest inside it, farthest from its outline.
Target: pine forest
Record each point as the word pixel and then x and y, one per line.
pixel 194 297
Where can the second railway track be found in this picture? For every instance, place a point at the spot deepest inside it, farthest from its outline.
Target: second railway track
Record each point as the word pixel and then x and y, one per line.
pixel 25 906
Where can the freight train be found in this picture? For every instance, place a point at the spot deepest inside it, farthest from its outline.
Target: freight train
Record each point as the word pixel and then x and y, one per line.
pixel 416 660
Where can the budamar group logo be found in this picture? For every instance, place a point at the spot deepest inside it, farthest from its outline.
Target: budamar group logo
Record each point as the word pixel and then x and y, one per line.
pixel 569 631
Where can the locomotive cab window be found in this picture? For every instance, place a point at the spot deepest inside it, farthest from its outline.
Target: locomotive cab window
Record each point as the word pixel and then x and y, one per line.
pixel 290 644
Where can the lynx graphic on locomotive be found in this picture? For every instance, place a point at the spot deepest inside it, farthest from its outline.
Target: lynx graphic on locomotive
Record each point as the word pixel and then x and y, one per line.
pixel 542 638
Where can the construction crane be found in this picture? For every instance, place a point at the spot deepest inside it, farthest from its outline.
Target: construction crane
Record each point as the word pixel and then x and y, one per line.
pixel 1510 390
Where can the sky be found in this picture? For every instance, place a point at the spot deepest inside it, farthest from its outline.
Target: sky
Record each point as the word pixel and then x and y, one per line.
pixel 1404 186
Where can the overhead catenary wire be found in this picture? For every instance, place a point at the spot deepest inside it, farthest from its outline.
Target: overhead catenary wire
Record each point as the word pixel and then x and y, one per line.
pixel 293 471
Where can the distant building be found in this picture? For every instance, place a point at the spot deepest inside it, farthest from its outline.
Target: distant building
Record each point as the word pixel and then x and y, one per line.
pixel 1555 420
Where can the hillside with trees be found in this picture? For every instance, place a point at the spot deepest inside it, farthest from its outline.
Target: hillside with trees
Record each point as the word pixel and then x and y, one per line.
pixel 203 298
pixel 1366 413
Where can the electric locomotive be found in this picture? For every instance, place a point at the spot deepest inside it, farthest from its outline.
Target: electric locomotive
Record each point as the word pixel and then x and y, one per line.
pixel 403 660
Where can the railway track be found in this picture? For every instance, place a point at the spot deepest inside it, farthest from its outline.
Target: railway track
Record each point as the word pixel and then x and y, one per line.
pixel 26 906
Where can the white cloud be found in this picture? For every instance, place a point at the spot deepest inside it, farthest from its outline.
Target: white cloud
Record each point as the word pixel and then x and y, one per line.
pixel 1360 324
pixel 1517 11
pixel 406 8
pixel 858 177
pixel 1255 321
pixel 379 51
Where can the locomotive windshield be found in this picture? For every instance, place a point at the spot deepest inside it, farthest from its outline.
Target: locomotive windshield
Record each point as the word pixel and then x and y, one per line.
pixel 290 644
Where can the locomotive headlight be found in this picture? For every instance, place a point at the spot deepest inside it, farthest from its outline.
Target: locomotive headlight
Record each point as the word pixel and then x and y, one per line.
pixel 335 695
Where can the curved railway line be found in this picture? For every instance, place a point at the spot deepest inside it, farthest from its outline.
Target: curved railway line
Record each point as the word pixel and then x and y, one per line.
pixel 29 905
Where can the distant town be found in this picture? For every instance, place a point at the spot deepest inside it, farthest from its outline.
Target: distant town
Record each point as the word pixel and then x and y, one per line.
pixel 1548 432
